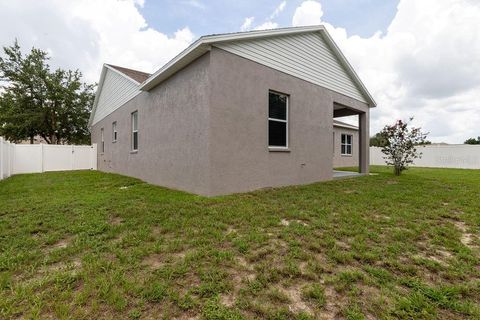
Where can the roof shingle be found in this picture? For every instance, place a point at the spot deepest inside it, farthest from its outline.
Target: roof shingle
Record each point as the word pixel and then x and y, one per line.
pixel 136 75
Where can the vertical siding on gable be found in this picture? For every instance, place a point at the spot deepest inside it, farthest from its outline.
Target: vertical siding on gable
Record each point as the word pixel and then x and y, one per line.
pixel 306 56
pixel 116 91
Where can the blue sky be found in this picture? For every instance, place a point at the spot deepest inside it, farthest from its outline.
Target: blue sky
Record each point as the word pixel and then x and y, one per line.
pixel 358 17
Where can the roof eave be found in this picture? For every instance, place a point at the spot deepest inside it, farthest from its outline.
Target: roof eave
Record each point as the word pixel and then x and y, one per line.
pixel 203 45
pixel 97 95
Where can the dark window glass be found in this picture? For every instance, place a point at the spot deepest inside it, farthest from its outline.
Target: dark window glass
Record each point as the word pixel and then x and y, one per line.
pixel 135 141
pixel 103 141
pixel 135 130
pixel 277 134
pixel 346 144
pixel 277 106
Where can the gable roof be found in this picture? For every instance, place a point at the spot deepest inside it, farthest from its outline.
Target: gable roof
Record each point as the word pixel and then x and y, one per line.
pixel 341 124
pixel 203 45
pixel 137 76
pixel 131 80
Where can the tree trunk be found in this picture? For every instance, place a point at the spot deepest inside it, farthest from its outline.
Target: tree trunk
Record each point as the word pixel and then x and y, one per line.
pixel 31 139
pixel 398 171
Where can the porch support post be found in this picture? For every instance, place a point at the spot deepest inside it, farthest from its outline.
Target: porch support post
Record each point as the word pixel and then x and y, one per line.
pixel 364 142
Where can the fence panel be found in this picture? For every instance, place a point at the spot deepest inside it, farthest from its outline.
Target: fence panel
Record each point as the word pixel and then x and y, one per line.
pixel 57 158
pixel 33 158
pixel 84 157
pixel 458 156
pixel 27 158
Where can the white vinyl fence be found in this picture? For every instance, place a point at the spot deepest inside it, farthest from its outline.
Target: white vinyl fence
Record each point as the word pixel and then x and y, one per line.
pixel 6 159
pixel 33 158
pixel 460 156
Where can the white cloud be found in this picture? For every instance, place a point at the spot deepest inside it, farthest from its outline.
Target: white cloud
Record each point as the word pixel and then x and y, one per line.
pixel 308 13
pixel 267 25
pixel 426 65
pixel 278 10
pixel 86 33
pixel 247 24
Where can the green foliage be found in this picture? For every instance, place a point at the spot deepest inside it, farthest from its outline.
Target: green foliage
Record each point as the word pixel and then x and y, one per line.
pixel 400 145
pixel 473 141
pixel 35 100
pixel 316 293
pixel 378 246
pixel 378 140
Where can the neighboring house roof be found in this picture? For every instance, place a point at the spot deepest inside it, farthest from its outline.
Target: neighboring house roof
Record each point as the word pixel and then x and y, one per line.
pixel 136 75
pixel 341 124
pixel 203 45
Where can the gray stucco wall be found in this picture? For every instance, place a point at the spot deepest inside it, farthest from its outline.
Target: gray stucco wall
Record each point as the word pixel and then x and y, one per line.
pixel 205 129
pixel 239 154
pixel 173 121
pixel 340 160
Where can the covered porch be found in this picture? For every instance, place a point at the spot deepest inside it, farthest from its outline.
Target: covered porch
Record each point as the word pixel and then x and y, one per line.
pixel 359 115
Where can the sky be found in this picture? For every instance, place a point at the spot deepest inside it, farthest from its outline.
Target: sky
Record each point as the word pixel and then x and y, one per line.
pixel 418 59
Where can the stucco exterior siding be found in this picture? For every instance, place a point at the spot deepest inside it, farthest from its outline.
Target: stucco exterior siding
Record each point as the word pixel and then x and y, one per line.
pixel 173 122
pixel 239 155
pixel 340 160
pixel 205 129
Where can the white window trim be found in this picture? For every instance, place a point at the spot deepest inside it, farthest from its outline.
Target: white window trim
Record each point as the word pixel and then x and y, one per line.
pixel 273 148
pixel 114 131
pixel 134 131
pixel 346 144
pixel 102 140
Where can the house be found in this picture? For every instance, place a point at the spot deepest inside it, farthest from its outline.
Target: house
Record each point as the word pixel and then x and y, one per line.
pixel 232 113
pixel 345 142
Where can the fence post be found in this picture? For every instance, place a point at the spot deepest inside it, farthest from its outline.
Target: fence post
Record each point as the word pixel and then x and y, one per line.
pixel 1 158
pixel 42 150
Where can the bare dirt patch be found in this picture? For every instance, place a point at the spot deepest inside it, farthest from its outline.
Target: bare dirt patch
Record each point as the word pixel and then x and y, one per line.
pixel 285 222
pixel 154 261
pixel 466 238
pixel 296 304
pixel 72 265
pixel 61 244
pixel 115 221
pixel 440 256
pixel 331 309
pixel 231 230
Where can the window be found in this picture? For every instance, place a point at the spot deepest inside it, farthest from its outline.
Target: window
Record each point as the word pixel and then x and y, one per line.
pixel 102 147
pixel 135 131
pixel 346 146
pixel 114 131
pixel 277 120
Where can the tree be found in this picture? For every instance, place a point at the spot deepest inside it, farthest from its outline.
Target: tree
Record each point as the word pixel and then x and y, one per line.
pixel 473 141
pixel 401 145
pixel 37 101
pixel 378 140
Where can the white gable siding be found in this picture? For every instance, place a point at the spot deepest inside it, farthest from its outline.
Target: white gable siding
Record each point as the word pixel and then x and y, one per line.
pixel 115 92
pixel 305 56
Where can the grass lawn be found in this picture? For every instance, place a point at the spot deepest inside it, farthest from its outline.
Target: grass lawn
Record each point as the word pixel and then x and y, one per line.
pixel 91 245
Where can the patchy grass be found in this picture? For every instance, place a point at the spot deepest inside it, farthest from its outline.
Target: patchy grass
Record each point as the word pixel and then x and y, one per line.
pixel 94 245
